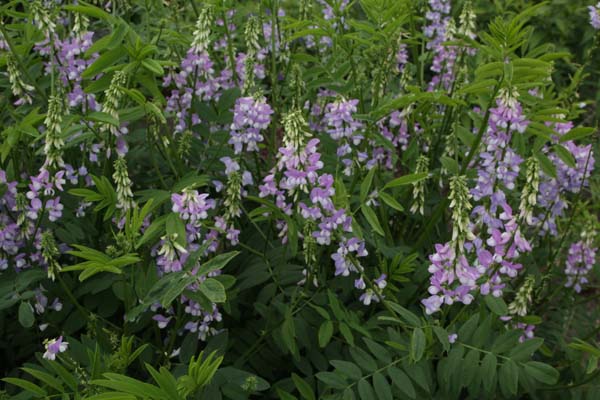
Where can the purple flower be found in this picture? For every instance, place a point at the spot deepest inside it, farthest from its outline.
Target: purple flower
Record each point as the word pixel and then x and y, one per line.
pixel 595 16
pixel 192 206
pixel 580 261
pixel 250 117
pixel 452 338
pixel 53 347
pixel 161 320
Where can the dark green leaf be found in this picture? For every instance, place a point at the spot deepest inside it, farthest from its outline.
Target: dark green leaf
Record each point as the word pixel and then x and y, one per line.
pixel 372 219
pixel 508 377
pixel 488 371
pixel 417 344
pixel 382 387
pixel 402 381
pixel 332 379
pixel 496 305
pixel 303 387
pixel 26 317
pixel 542 372
pixel 325 333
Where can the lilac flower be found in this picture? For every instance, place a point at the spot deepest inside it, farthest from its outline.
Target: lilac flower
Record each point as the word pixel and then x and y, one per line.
pixel 381 281
pixel 401 57
pixel 452 338
pixel 54 347
pixel 250 117
pixel 343 128
pixel 231 165
pixel 580 261
pixel 368 296
pixel 161 320
pixel 344 263
pixel 595 16
pixel 192 206
pixel 54 208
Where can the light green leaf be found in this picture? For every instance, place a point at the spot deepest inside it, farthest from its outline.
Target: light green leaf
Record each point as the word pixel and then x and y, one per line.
pixel 371 218
pixel 417 344
pixel 406 180
pixel 214 290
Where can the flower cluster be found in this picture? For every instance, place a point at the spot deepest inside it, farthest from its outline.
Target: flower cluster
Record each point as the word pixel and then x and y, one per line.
pixel 500 243
pixel 594 16
pixel 580 261
pixel 250 117
pixel 344 129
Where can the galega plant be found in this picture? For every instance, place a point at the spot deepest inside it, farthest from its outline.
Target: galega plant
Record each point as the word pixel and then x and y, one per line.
pixel 332 199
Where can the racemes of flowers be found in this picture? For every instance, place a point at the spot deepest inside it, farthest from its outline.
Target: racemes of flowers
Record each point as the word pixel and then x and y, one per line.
pixel 304 194
pixel 494 253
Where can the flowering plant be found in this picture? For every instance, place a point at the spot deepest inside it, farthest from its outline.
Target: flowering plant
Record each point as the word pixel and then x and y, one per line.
pixel 324 199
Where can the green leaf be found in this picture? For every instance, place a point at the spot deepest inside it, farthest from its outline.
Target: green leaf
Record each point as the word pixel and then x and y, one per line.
pixel 90 10
pixel 496 305
pixel 214 290
pixel 216 263
pixel 488 371
pixel 363 359
pixel 332 380
pixel 380 352
pixel 372 219
pixel 407 315
pixel 288 332
pixel 450 164
pixel 347 368
pixel 365 186
pixel 285 395
pixel 346 333
pixel 382 387
pixel 348 394
pixel 406 180
pixel 29 386
pixel 542 372
pixel 131 386
pixel 508 377
pixel 546 164
pixel 525 350
pixel 565 155
pixel 177 284
pixel 175 226
pixel 99 116
pixel 153 66
pixel 442 336
pixel 576 134
pixel 112 396
pixel 105 60
pixel 390 201
pixel 303 387
pixel 325 333
pixel 26 317
pixel 365 391
pixel 402 381
pixel 46 378
pixel 471 366
pixel 466 331
pixel 417 344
